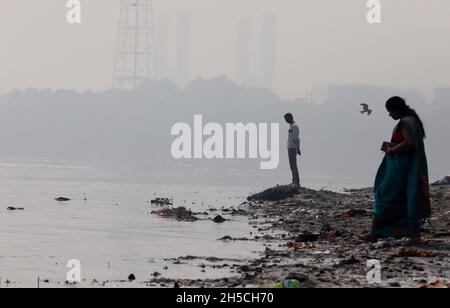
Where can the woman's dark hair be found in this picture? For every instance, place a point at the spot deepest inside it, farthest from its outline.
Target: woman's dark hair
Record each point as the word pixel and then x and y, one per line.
pixel 398 104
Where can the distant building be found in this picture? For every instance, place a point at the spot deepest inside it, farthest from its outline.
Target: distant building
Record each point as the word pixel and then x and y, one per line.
pixel 162 43
pixel 184 47
pixel 244 56
pixel 268 49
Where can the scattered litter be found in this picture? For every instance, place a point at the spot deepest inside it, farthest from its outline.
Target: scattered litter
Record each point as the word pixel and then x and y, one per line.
pixel 15 208
pixel 287 284
pixel 234 212
pixel 219 219
pixel 62 199
pixel 228 238
pixel 352 260
pixel 355 213
pixel 326 252
pixel 444 181
pixel 382 245
pixel 297 245
pixel 437 284
pixel 307 237
pixel 181 214
pixel 442 234
pixel 294 281
pixel 414 252
pixel 162 201
pixel 156 274
pixel 395 285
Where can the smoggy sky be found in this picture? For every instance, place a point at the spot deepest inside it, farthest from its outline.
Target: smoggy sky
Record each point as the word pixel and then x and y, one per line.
pixel 320 42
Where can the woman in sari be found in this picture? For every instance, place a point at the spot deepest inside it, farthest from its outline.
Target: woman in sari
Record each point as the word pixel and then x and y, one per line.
pixel 402 195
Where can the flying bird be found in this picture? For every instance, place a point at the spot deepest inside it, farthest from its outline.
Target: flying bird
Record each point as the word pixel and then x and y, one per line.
pixel 366 109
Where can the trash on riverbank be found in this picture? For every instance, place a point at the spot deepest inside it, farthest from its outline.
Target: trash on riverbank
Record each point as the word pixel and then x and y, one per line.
pixel 63 199
pixel 437 284
pixel 444 181
pixel 287 284
pixel 219 219
pixel 181 214
pixel 307 237
pixel 162 202
pixel 156 274
pixel 228 238
pixel 11 208
pixel 316 232
pixel 414 253
pixel 355 213
pixel 234 212
pixel 276 193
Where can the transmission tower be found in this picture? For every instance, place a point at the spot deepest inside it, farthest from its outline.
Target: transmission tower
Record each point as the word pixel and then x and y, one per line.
pixel 135 60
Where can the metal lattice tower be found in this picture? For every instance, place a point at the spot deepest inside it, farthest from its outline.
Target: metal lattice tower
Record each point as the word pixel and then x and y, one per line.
pixel 135 60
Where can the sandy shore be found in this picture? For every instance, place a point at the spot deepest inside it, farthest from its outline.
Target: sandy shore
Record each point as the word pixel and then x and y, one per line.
pixel 311 235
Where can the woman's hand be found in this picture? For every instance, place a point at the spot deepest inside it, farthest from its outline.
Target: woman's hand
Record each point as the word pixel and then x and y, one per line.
pixel 390 152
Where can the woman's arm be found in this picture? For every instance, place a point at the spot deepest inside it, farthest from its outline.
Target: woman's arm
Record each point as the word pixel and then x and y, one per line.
pixel 404 146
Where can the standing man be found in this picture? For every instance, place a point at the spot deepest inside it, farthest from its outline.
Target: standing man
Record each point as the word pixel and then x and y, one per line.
pixel 293 148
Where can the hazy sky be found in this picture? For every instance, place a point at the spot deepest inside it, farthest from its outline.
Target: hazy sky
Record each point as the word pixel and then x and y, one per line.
pixel 320 42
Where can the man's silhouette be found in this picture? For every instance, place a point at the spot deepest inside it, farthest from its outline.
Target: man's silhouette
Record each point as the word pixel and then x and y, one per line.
pixel 293 147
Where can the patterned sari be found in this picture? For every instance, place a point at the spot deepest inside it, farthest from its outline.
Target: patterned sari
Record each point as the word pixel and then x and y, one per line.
pixel 402 191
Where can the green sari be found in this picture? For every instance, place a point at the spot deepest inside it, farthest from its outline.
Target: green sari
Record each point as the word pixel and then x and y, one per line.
pixel 402 191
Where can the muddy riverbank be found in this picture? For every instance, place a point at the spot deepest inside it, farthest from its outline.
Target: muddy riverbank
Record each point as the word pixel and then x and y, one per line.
pixel 312 235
